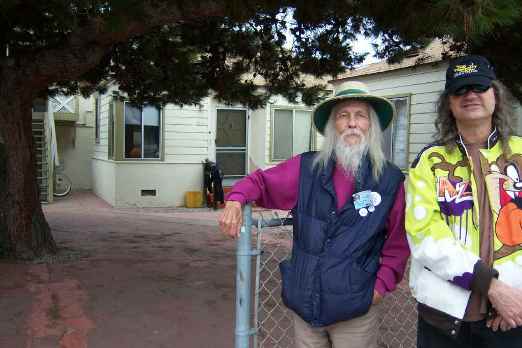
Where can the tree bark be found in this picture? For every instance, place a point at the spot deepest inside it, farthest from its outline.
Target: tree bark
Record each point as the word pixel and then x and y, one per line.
pixel 24 232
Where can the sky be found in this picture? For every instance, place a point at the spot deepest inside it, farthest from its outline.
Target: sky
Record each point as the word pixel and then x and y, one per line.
pixel 364 45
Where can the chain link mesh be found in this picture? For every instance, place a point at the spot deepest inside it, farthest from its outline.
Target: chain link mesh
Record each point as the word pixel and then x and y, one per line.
pixel 397 320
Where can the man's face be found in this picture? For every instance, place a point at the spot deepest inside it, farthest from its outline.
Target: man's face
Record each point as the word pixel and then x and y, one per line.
pixel 352 121
pixel 473 107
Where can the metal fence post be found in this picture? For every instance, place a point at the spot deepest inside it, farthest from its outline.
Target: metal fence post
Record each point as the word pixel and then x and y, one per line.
pixel 243 280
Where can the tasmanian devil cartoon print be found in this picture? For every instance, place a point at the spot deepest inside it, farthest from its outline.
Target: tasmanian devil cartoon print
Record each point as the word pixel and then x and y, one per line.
pixel 504 183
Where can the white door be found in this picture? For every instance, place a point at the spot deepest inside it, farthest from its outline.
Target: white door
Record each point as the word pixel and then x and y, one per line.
pixel 231 142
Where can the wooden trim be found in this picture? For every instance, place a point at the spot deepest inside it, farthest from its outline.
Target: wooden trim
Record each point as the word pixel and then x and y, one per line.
pixel 110 131
pixel 119 124
pixel 273 108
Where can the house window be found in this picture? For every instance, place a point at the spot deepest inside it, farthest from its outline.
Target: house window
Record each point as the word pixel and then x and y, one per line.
pixel 97 104
pixel 291 133
pixel 142 132
pixel 396 135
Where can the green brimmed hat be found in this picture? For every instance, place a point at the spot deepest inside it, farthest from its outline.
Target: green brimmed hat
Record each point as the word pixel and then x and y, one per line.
pixel 353 90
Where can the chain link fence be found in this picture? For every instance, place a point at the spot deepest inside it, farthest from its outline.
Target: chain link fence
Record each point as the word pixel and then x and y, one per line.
pixel 274 322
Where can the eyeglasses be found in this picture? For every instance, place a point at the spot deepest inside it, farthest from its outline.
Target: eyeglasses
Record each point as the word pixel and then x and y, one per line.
pixel 473 88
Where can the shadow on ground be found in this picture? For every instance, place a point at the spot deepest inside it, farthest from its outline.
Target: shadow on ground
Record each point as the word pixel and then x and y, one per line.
pixel 124 278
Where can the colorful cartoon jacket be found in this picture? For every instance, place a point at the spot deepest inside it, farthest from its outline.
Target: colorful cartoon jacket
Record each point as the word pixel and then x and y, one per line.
pixel 442 221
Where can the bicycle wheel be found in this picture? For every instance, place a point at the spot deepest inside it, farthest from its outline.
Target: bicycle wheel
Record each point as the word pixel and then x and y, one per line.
pixel 62 185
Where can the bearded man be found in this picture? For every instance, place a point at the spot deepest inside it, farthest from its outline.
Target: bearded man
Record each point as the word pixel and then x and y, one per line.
pixel 349 246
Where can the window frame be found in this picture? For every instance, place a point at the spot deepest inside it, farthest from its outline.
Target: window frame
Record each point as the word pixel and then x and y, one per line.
pixel 221 149
pixel 293 108
pixel 161 130
pixel 406 96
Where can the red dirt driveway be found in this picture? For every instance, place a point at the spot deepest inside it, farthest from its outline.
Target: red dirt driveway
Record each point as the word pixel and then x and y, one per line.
pixel 133 278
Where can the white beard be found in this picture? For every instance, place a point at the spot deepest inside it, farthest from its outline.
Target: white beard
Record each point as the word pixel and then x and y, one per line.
pixel 350 156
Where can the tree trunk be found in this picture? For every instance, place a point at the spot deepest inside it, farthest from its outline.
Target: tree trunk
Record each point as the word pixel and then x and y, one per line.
pixel 24 231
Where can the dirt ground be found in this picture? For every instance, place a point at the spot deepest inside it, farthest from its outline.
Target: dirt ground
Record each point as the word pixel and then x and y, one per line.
pixel 148 278
pixel 124 278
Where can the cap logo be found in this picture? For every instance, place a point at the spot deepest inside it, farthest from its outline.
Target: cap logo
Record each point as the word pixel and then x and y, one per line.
pixel 465 69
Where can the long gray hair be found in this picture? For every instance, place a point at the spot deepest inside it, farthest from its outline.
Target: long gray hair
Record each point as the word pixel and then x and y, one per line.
pixel 374 138
pixel 503 118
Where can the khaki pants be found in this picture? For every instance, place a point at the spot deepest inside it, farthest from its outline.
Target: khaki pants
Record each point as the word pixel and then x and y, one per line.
pixel 360 332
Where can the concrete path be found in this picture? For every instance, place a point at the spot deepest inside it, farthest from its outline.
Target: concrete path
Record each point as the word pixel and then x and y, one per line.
pixel 124 278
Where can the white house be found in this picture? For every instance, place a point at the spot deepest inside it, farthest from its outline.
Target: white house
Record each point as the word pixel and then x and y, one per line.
pixel 151 157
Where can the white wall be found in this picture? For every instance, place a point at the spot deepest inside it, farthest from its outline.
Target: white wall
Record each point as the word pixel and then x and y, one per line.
pixel 75 142
pixel 104 180
pixel 75 149
pixel 120 183
pixel 170 180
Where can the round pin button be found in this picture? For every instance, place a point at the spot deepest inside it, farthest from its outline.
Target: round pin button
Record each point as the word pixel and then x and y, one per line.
pixel 376 198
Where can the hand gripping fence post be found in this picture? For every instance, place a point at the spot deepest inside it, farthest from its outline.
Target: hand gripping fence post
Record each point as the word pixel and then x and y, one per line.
pixel 244 255
pixel 244 330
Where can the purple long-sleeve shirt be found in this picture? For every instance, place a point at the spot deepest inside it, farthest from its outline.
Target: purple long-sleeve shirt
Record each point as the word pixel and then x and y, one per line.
pixel 278 188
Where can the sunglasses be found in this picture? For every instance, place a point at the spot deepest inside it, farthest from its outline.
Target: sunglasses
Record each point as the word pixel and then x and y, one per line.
pixel 473 88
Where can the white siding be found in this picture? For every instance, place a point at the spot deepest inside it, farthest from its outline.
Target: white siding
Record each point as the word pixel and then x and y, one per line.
pixel 258 138
pixel 186 133
pixel 101 148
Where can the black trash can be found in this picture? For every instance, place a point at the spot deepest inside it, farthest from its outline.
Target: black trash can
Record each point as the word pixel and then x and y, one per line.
pixel 213 184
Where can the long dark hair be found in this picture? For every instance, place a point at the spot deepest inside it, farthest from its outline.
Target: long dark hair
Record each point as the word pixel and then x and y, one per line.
pixel 503 118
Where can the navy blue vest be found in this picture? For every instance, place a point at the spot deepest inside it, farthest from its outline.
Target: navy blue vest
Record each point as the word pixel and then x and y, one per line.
pixel 331 274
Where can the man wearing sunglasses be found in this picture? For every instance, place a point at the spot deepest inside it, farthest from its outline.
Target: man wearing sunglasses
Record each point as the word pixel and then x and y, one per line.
pixel 463 216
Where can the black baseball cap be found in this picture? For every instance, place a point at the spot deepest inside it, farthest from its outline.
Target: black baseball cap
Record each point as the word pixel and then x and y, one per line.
pixel 469 70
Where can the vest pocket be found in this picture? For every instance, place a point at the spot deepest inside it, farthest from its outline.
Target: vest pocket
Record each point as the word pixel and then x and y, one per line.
pixel 347 277
pixel 297 277
pixel 361 279
pixel 336 280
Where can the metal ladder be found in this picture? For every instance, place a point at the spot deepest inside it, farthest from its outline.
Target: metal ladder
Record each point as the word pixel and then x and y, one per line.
pixel 40 148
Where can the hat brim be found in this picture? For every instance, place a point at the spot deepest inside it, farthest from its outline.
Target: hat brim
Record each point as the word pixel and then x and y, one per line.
pixel 385 109
pixel 466 81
